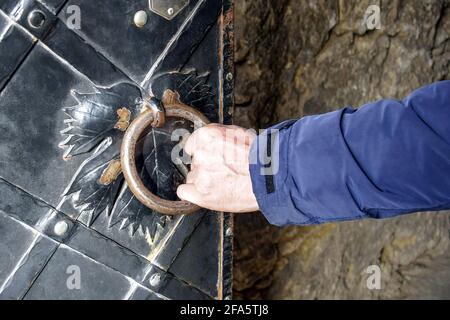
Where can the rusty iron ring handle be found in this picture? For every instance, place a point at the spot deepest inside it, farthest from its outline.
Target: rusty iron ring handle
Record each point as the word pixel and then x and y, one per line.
pixel 128 159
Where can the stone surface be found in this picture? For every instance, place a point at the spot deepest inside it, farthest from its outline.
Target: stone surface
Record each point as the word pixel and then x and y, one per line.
pixel 296 58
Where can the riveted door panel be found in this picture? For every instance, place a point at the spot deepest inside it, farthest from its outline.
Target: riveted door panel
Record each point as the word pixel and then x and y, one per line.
pixel 160 45
pixel 61 93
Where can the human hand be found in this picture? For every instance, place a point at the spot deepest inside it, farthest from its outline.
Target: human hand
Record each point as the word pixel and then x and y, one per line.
pixel 219 178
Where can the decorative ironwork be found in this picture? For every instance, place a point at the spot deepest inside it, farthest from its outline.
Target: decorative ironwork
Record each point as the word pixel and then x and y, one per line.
pixel 58 213
pixel 95 126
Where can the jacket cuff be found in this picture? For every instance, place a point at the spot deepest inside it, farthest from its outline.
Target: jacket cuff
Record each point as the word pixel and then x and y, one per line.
pixel 269 171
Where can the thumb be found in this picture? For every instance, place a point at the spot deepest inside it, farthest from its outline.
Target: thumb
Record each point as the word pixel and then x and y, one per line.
pixel 188 192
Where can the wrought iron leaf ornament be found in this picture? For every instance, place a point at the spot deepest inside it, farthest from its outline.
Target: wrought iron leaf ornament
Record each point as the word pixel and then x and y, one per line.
pixel 95 126
pixel 92 196
pixel 192 87
pixel 162 172
pixel 132 214
pixel 96 117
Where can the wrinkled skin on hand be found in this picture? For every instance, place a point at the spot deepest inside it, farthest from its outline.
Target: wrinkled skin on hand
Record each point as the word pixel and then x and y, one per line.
pixel 219 179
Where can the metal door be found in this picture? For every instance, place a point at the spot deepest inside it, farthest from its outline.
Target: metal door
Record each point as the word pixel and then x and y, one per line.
pixel 67 69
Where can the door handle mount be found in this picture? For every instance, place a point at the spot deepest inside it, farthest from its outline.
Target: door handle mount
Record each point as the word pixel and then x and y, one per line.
pixel 153 115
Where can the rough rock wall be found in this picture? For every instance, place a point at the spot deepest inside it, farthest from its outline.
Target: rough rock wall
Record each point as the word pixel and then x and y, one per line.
pixel 298 57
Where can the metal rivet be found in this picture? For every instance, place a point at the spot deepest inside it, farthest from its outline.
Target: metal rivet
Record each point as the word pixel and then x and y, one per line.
pixel 36 19
pixel 140 18
pixel 170 11
pixel 229 232
pixel 155 279
pixel 61 228
pixel 230 76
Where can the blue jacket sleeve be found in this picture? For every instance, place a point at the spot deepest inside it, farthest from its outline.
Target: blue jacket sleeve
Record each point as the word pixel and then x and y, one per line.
pixel 384 159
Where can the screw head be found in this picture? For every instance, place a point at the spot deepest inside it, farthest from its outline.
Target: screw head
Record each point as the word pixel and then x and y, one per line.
pixel 155 280
pixel 168 9
pixel 36 19
pixel 61 228
pixel 229 76
pixel 228 232
pixel 140 18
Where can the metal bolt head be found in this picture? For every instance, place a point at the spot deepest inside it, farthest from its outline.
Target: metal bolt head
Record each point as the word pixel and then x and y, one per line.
pixel 61 228
pixel 229 76
pixel 36 19
pixel 155 280
pixel 229 232
pixel 168 9
pixel 140 18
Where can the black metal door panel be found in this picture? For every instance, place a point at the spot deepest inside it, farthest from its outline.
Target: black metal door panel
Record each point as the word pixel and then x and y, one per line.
pixel 161 45
pixel 14 46
pixel 32 119
pixel 60 91
pixel 21 260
